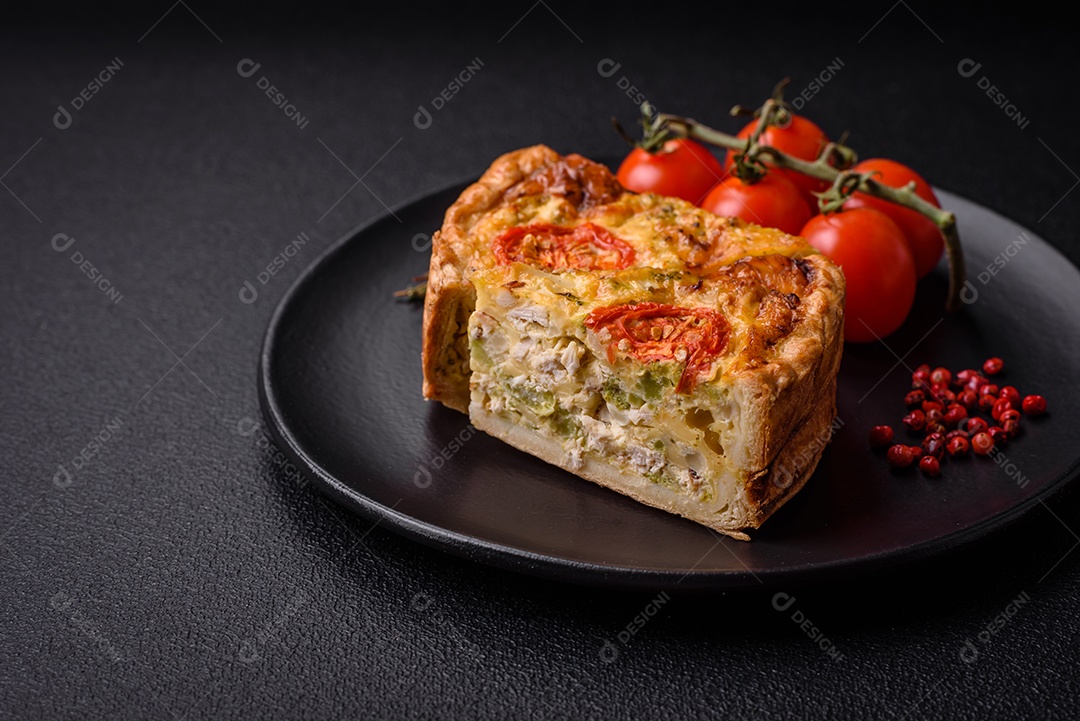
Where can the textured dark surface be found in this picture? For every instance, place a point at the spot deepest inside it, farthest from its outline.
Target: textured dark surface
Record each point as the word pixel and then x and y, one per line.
pixel 183 571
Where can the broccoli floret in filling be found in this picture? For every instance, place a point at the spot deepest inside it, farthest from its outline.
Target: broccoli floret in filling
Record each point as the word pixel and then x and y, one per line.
pixel 653 384
pixel 617 396
pixel 539 401
pixel 564 424
pixel 480 354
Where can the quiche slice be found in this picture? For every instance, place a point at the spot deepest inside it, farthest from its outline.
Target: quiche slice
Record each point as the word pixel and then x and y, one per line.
pixel 562 213
pixel 707 396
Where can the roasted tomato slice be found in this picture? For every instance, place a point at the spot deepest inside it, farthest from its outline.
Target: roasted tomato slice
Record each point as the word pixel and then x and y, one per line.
pixel 586 247
pixel 652 332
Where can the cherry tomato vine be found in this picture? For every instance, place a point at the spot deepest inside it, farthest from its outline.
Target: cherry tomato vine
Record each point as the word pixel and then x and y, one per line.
pixel 833 165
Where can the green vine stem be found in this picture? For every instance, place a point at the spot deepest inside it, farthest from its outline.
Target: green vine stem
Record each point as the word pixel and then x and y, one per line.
pixel 415 291
pixel 830 166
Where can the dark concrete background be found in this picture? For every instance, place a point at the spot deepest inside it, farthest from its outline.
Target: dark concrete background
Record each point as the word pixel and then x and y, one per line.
pixel 182 571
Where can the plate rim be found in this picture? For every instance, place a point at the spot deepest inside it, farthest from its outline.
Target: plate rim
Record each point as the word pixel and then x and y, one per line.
pixel 559 568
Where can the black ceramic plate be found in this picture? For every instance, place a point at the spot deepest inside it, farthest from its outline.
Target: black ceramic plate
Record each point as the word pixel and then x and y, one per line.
pixel 340 387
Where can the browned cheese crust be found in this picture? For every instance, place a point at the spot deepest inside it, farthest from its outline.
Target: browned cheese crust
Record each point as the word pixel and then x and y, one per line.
pixel 450 297
pixel 681 236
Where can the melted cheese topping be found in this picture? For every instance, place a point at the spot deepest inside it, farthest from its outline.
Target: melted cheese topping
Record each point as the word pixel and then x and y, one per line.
pixel 665 232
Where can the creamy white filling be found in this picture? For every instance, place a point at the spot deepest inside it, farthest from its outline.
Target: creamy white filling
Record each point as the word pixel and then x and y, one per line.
pixel 522 315
pixel 538 375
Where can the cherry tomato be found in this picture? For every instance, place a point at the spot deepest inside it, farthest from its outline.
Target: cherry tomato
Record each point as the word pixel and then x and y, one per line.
pixel 802 139
pixel 922 234
pixel 878 267
pixel 772 202
pixel 555 247
pixel 682 168
pixel 651 332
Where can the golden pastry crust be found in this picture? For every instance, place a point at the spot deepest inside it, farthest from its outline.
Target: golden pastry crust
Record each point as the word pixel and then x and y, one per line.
pixel 775 376
pixel 778 386
pixel 537 184
pixel 449 294
pixel 783 300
